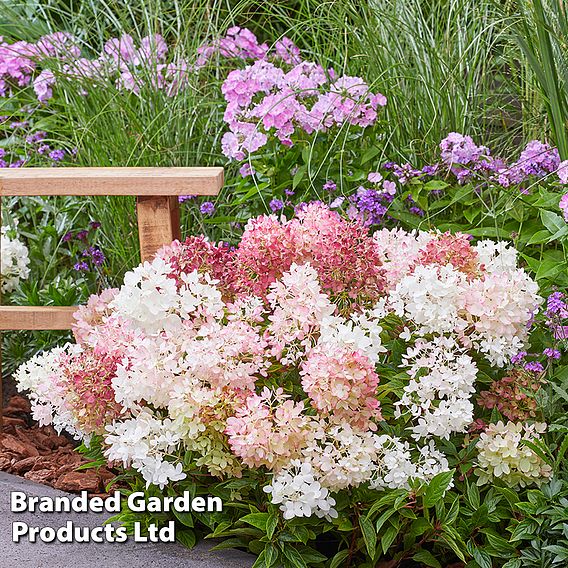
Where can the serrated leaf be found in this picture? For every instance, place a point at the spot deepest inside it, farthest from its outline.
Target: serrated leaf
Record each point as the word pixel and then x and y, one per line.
pixel 482 558
pixel 435 185
pixel 523 531
pixel 388 538
pixel 552 221
pixel 298 176
pixel 369 154
pixel 271 524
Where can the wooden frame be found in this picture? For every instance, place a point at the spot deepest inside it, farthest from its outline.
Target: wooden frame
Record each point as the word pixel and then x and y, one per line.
pixel 157 207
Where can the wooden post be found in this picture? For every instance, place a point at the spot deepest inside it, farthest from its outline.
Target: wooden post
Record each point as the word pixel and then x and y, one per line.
pixel 156 190
pixel 158 223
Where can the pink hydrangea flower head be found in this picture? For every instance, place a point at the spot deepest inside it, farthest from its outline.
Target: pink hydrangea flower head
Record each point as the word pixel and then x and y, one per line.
pixel 92 314
pixel 267 250
pixel 514 396
pixel 269 429
pixel 90 396
pixel 454 249
pixel 342 385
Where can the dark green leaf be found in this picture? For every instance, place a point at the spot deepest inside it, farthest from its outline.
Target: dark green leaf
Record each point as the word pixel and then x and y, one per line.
pixel 437 488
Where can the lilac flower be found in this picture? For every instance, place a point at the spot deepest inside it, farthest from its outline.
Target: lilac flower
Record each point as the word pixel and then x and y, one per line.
pixel 246 170
pixel 288 51
pixel 82 235
pixel 459 149
pixel 556 306
pixel 337 202
pixel 405 172
pixel 43 84
pixel 551 353
pixel 36 137
pixel 95 254
pixel 184 198
pixel 534 366
pixel 375 177
pixel 329 185
pixel 43 149
pixel 563 172
pixel 207 208
pixel 430 170
pixel 94 225
pixel 517 358
pixel 368 206
pixel 289 192
pixel 57 155
pixel 67 237
pixel 538 159
pixel 276 205
pixel 389 187
pixel 81 266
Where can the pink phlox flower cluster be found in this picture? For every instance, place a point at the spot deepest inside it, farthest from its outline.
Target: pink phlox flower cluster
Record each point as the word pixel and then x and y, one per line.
pixel 563 172
pixel 263 99
pixel 242 43
pixel 343 385
pixel 270 429
pixel 564 204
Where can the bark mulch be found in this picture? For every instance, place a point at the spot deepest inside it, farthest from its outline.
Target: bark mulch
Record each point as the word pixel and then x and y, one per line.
pixel 39 454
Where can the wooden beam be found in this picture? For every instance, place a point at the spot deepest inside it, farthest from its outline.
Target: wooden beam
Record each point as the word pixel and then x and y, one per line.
pixel 111 181
pixel 158 223
pixel 36 317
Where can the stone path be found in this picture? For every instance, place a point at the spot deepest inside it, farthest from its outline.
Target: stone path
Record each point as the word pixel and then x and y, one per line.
pixel 92 555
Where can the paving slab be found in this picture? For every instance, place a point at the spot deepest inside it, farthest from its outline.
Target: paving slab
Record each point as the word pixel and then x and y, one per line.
pixel 129 554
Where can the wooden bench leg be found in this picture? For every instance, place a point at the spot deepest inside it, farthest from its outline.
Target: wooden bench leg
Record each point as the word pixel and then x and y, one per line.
pixel 158 223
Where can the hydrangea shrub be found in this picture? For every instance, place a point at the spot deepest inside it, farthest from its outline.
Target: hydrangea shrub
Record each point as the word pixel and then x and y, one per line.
pixel 310 367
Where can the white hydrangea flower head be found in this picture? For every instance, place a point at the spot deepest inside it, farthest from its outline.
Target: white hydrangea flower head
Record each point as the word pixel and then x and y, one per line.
pixel 14 261
pixel 299 493
pixel 442 381
pixel 503 455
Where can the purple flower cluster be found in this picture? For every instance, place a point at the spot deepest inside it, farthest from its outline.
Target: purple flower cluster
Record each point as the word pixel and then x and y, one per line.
pixel 461 157
pixel 24 146
pixel 370 206
pixel 91 256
